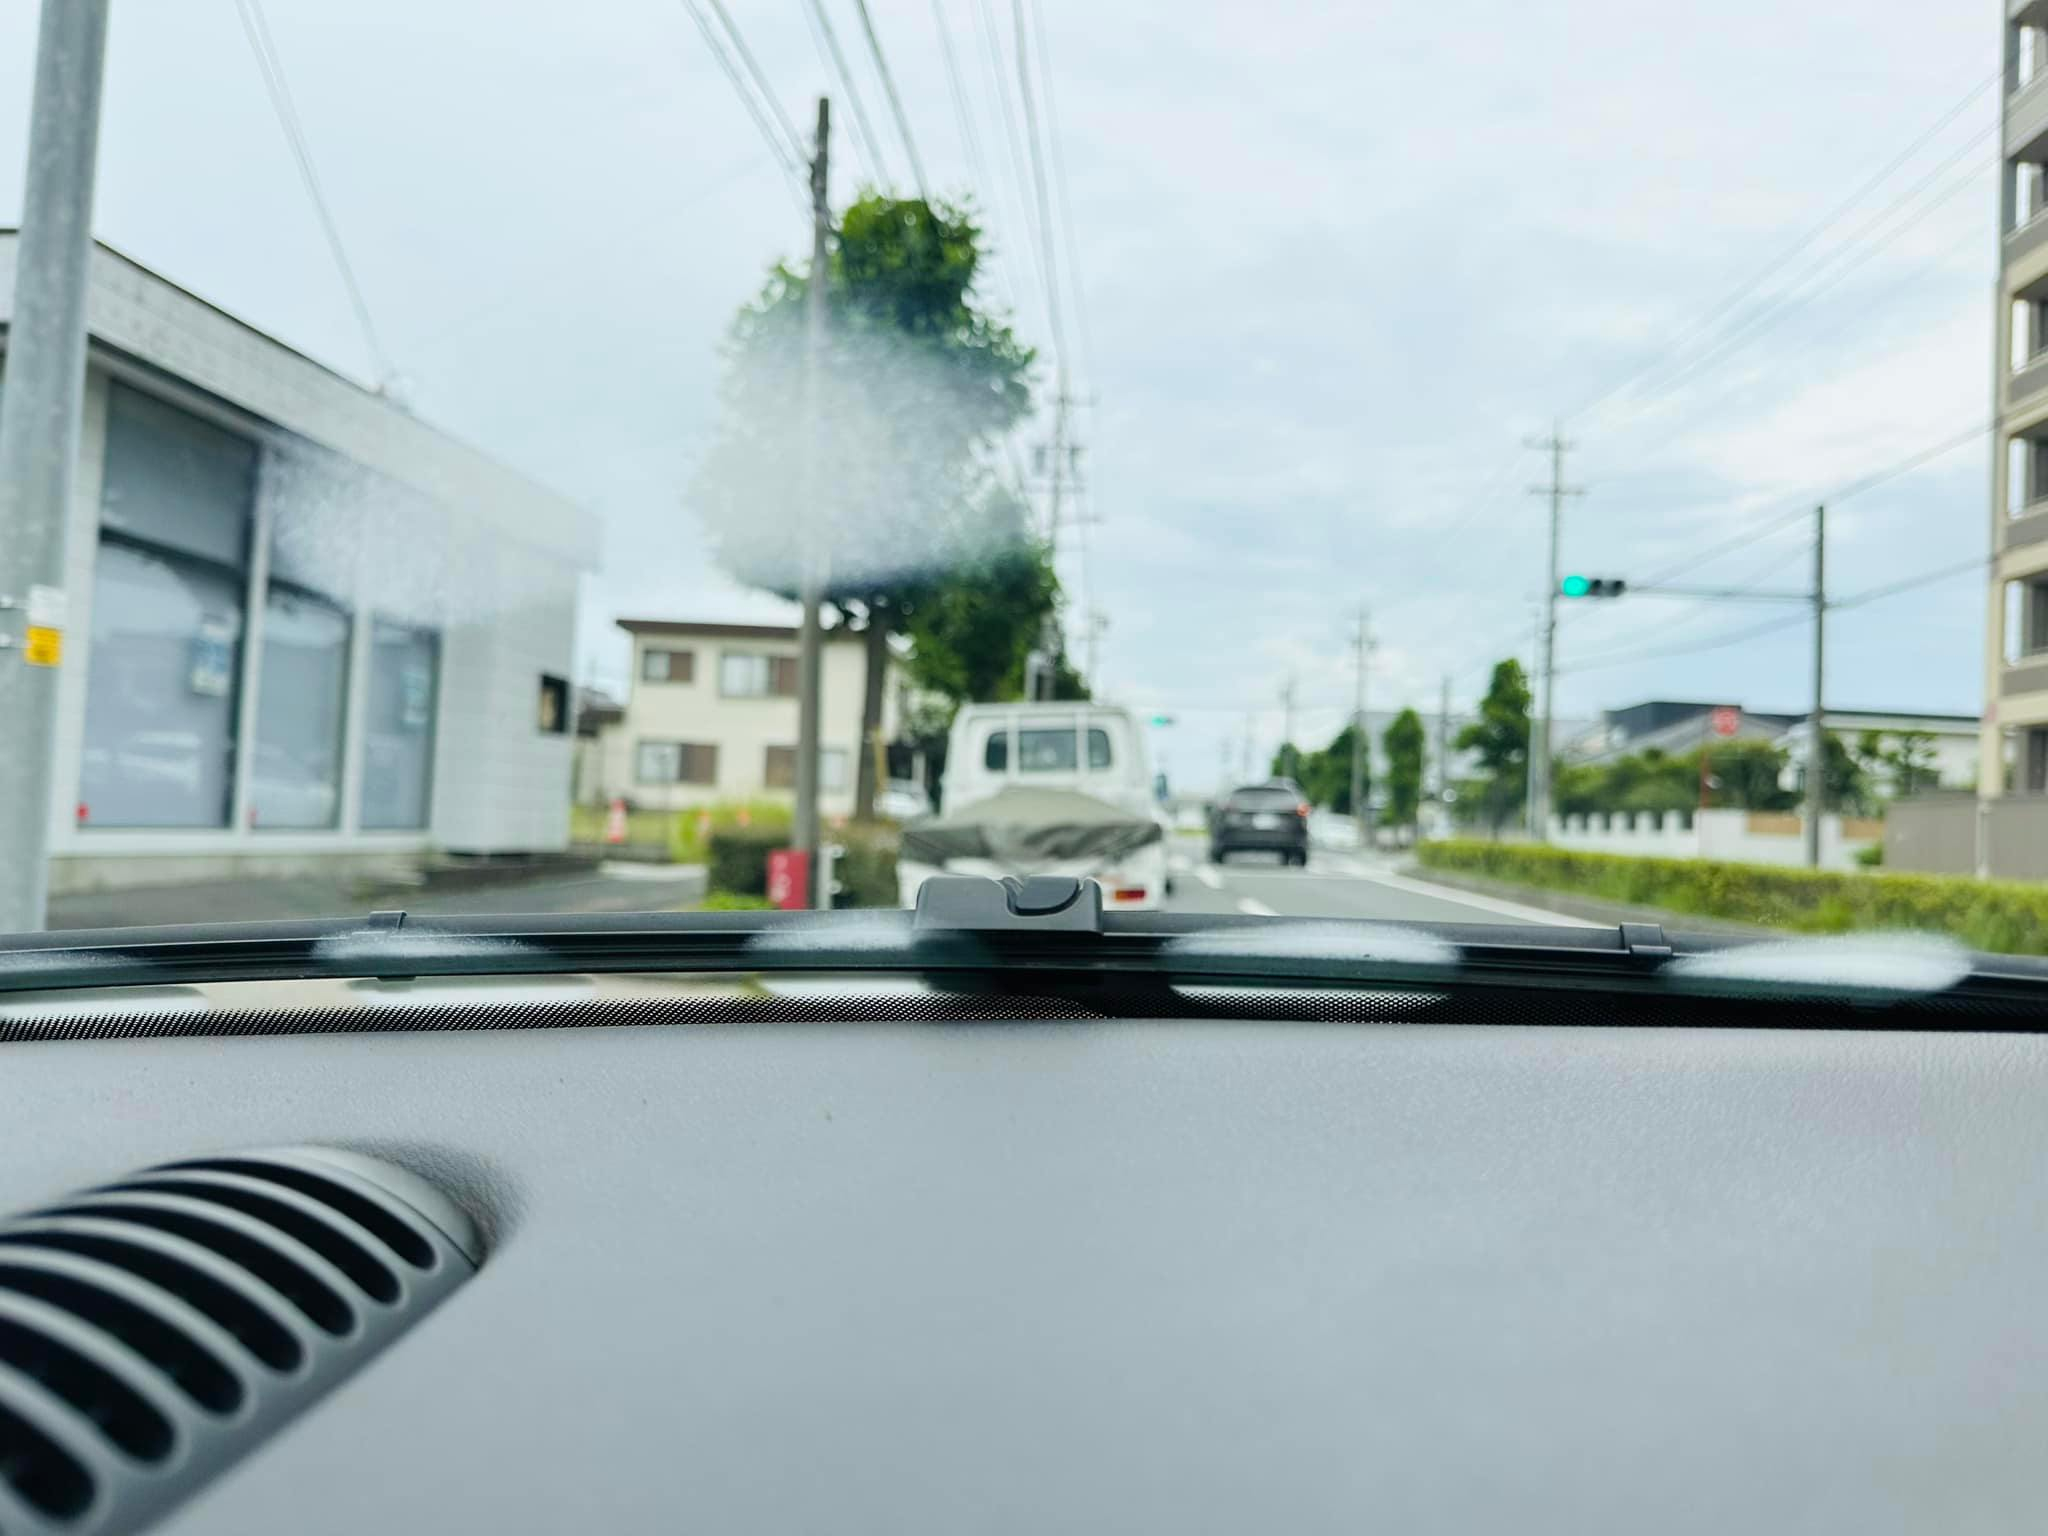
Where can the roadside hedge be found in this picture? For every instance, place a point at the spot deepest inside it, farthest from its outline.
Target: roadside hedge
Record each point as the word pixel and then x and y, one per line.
pixel 736 863
pixel 1998 915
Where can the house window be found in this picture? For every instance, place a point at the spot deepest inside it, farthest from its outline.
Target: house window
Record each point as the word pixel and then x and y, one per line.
pixel 167 618
pixel 2037 615
pixel 675 762
pixel 554 706
pixel 778 770
pixel 745 675
pixel 659 665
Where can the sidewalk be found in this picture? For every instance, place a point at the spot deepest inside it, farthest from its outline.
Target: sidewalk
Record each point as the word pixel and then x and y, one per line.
pixel 603 888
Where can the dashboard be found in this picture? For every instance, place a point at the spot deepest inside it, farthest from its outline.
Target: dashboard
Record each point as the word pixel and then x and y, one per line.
pixel 1090 1274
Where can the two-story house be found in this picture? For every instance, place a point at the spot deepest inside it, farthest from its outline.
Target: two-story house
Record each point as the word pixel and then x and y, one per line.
pixel 712 715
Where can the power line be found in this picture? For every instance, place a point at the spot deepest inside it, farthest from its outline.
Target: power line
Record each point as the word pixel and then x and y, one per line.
pixel 1045 229
pixel 970 138
pixel 895 102
pixel 1066 202
pixel 1910 583
pixel 992 52
pixel 798 149
pixel 1798 247
pixel 867 144
pixel 269 64
pixel 777 146
pixel 1760 320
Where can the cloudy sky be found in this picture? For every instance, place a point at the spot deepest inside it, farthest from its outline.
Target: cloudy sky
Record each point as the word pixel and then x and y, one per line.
pixel 1325 268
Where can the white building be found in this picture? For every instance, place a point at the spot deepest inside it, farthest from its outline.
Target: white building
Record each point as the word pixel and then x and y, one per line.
pixel 712 716
pixel 304 627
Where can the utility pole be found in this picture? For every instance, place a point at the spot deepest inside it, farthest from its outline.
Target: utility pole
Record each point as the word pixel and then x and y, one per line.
pixel 1539 756
pixel 1816 731
pixel 1361 807
pixel 1098 623
pixel 39 414
pixel 1248 723
pixel 810 652
pixel 1287 691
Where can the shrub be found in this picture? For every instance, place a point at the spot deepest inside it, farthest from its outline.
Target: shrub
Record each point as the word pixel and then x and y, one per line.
pixel 867 867
pixel 1985 914
pixel 737 859
pixel 731 901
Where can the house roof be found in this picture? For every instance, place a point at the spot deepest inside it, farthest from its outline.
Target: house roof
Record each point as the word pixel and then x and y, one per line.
pixel 703 630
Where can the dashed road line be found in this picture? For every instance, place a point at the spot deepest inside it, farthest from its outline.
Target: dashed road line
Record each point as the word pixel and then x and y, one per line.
pixel 1208 876
pixel 1251 906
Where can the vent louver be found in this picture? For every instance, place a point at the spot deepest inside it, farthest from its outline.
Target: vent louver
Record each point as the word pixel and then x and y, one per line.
pixel 156 1329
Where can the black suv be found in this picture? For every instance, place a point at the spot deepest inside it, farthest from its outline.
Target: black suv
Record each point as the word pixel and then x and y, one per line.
pixel 1270 817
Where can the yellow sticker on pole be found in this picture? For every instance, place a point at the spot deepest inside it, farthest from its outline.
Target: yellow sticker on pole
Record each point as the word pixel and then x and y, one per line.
pixel 43 647
pixel 43 644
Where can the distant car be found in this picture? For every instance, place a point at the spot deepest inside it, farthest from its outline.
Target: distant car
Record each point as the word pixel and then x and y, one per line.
pixel 1267 818
pixel 903 800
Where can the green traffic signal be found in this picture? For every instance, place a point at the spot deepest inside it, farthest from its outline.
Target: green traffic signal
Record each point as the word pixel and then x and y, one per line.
pixel 1592 586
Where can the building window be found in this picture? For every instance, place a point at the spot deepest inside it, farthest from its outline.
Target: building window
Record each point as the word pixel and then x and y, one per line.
pixel 554 706
pixel 2015 608
pixel 659 665
pixel 398 727
pixel 675 762
pixel 301 698
pixel 778 769
pixel 2037 615
pixel 744 675
pixel 832 769
pixel 2037 761
pixel 169 586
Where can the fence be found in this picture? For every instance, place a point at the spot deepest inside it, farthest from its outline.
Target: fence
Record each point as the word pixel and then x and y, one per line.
pixel 1741 837
pixel 1939 834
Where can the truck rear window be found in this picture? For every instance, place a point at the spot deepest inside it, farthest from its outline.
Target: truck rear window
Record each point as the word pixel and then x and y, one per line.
pixel 1047 749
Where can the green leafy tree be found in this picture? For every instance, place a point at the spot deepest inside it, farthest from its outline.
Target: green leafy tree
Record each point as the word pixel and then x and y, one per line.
pixel 1905 765
pixel 1325 775
pixel 883 491
pixel 1500 737
pixel 1288 762
pixel 1403 744
pixel 1846 787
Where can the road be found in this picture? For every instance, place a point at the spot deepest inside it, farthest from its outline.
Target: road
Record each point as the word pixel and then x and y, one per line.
pixel 1336 883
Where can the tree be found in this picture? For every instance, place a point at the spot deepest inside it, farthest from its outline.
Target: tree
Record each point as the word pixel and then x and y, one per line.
pixel 1501 738
pixel 914 387
pixel 1325 775
pixel 1906 765
pixel 1288 763
pixel 1403 744
pixel 1845 787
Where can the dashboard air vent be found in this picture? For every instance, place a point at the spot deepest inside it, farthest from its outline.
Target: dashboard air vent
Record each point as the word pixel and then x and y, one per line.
pixel 156 1329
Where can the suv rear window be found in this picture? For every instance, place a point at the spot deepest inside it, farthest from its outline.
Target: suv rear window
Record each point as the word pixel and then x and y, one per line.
pixel 1264 800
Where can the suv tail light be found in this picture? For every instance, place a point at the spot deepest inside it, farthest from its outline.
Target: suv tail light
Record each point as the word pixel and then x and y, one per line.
pixel 1301 810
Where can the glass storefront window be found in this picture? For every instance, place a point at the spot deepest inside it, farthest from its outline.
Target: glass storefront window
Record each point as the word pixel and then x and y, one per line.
pixel 301 701
pixel 160 700
pixel 398 727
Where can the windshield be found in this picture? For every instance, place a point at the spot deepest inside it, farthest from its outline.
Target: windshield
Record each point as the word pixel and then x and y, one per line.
pixel 518 463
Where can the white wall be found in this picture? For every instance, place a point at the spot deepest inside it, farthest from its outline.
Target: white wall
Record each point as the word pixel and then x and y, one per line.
pixel 1732 836
pixel 741 728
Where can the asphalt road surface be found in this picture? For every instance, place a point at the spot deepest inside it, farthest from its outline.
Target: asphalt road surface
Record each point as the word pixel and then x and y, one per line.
pixel 1336 883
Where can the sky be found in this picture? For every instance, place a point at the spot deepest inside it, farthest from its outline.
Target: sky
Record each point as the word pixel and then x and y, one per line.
pixel 1323 272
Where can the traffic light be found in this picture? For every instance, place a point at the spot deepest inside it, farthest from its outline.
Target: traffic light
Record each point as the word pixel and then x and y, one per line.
pixel 1592 586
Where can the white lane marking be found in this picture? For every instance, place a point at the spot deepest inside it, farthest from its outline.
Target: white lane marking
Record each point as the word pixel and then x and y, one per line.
pixel 1208 876
pixel 1251 906
pixel 1493 904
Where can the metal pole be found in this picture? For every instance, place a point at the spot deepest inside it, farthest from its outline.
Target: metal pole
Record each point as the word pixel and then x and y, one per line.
pixel 1287 716
pixel 39 411
pixel 1541 830
pixel 810 650
pixel 1816 733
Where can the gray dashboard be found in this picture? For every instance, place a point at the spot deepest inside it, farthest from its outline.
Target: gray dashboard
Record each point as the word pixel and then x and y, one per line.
pixel 1215 1276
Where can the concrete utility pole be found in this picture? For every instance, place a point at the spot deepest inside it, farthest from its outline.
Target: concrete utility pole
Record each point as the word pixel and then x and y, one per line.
pixel 1287 691
pixel 39 411
pixel 1816 732
pixel 1248 724
pixel 1361 807
pixel 1539 754
pixel 810 648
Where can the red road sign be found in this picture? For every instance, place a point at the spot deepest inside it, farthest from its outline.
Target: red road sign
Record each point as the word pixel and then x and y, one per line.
pixel 1725 721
